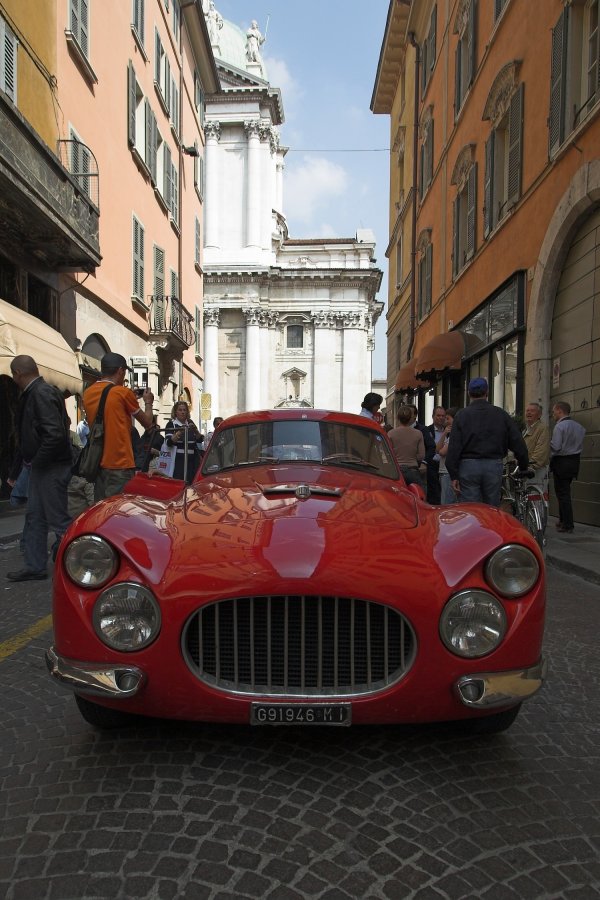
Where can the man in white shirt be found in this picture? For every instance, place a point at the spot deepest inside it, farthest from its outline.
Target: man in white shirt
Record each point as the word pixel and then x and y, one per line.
pixel 566 445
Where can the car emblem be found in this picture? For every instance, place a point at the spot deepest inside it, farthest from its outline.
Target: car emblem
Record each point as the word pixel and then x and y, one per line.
pixel 302 492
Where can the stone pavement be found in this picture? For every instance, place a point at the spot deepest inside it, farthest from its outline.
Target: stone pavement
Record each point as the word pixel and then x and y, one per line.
pixel 575 554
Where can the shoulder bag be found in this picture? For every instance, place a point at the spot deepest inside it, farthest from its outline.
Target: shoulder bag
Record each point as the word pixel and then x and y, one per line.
pixel 88 464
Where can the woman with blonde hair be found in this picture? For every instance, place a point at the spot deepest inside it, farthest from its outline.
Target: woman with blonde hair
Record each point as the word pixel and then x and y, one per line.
pixel 175 436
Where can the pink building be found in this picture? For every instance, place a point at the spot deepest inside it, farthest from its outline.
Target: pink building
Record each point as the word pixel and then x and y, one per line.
pixel 132 79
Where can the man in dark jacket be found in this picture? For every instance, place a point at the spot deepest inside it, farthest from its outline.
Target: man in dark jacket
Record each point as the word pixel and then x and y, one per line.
pixel 482 435
pixel 43 429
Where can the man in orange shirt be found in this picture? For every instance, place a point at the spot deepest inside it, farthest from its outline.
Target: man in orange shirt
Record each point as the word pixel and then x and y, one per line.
pixel 118 465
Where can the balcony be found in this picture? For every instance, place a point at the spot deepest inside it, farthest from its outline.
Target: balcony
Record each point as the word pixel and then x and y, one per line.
pixel 169 320
pixel 46 217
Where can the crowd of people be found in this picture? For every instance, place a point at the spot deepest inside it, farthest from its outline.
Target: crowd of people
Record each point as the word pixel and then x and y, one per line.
pixel 44 474
pixel 460 456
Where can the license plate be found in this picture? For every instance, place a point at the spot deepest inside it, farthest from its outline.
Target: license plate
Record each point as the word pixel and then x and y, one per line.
pixel 300 714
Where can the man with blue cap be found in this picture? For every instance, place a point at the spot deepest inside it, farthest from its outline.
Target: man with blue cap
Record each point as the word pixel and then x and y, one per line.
pixel 482 435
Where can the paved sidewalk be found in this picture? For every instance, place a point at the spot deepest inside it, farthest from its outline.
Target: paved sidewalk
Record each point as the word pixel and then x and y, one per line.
pixel 575 554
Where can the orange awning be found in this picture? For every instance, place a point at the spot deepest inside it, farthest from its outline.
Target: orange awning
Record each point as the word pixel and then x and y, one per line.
pixel 406 380
pixel 445 352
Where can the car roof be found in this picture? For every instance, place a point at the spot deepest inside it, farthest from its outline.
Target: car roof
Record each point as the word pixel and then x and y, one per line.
pixel 299 414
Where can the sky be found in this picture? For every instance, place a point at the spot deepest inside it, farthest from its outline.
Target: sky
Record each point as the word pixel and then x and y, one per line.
pixel 323 54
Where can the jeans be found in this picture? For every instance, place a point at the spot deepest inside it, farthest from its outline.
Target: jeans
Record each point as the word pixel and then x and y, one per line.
pixel 46 511
pixel 447 491
pixel 480 481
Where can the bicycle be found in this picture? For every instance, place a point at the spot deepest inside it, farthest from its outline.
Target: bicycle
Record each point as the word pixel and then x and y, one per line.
pixel 526 502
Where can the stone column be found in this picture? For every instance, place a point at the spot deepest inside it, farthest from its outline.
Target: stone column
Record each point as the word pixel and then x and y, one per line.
pixel 356 369
pixel 212 131
pixel 211 357
pixel 253 319
pixel 326 380
pixel 279 184
pixel 253 184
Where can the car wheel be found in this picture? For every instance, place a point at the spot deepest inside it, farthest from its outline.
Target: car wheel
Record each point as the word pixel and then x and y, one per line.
pixel 493 724
pixel 104 716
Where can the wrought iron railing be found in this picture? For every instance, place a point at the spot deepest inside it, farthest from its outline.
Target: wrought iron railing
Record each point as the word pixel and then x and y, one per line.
pixel 168 316
pixel 80 163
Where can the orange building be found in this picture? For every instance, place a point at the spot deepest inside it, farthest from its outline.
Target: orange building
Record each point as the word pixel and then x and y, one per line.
pixel 507 226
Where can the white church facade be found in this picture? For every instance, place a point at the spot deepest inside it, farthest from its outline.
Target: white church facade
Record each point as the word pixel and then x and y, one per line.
pixel 287 322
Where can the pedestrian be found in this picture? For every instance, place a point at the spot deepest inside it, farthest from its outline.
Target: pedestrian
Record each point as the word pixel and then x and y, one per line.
pixel 408 445
pixel 148 448
pixel 566 445
pixel 43 430
pixel 83 430
pixel 436 430
pixel 175 436
pixel 216 422
pixel 427 438
pixel 447 494
pixel 482 435
pixel 370 407
pixel 537 438
pixel 117 466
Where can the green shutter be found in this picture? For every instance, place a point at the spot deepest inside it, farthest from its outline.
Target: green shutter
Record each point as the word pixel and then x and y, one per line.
pixel 167 184
pixel 488 186
pixel 131 104
pixel 515 146
pixel 428 276
pixel 455 232
pixel 471 46
pixel 556 123
pixel 471 211
pixel 138 260
pixel 159 271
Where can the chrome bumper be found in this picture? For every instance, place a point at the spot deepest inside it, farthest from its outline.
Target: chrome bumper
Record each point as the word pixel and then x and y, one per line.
pixel 491 689
pixel 95 680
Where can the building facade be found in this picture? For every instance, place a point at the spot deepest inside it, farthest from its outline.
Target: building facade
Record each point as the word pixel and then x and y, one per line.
pixel 286 321
pixel 48 226
pixel 507 281
pixel 133 78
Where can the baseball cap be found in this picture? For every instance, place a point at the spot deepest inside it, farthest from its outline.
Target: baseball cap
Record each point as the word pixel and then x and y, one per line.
pixel 478 384
pixel 113 361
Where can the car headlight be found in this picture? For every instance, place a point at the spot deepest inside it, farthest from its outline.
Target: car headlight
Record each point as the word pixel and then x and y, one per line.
pixel 473 623
pixel 512 570
pixel 90 561
pixel 126 617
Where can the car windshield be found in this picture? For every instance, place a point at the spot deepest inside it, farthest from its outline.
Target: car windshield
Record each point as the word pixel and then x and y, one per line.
pixel 325 443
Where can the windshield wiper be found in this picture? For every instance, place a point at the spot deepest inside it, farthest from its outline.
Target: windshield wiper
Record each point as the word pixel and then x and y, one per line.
pixel 347 459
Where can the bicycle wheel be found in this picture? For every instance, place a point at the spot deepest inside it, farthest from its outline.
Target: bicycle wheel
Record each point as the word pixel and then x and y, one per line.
pixel 534 525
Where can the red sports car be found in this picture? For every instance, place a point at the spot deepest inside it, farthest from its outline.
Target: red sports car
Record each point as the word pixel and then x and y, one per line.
pixel 297 581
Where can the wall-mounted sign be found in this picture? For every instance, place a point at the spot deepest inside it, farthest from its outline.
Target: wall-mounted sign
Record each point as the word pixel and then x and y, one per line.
pixel 556 372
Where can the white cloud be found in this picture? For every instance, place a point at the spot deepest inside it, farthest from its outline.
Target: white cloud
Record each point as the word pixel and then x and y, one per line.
pixel 309 186
pixel 280 77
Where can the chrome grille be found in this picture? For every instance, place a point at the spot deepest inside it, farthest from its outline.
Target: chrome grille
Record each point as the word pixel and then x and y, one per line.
pixel 298 645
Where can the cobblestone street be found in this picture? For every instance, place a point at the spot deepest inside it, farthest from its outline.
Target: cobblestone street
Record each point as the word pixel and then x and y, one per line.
pixel 169 810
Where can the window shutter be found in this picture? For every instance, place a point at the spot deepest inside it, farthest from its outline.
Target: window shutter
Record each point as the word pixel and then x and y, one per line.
pixel 428 272
pixel 148 123
pixel 75 18
pixel 556 124
pixel 421 167
pixel 424 66
pixel 175 106
pixel 153 147
pixel 83 26
pixel 471 45
pixel 167 186
pixel 174 284
pixel 421 289
pixel 198 317
pixel 515 146
pixel 157 57
pixel 131 104
pixel 159 271
pixel 430 153
pixel 138 260
pixel 498 4
pixel 488 186
pixel 471 211
pixel 432 38
pixel 197 242
pixel 457 79
pixel 166 86
pixel 455 247
pixel 175 193
pixel 8 61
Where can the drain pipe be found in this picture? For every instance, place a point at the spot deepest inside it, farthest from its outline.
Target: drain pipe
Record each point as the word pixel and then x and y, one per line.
pixel 413 249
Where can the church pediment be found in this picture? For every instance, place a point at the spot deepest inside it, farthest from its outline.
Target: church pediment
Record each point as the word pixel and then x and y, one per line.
pixel 232 77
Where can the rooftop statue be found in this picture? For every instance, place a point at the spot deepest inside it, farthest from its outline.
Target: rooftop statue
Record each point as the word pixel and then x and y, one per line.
pixel 253 41
pixel 214 22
